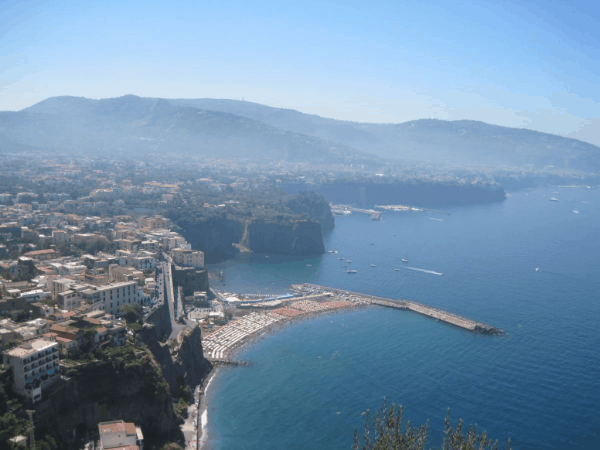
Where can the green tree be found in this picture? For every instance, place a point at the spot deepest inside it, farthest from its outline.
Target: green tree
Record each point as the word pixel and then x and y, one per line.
pixel 387 433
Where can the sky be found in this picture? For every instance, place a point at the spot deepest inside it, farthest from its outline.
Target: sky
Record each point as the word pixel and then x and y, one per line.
pixel 521 64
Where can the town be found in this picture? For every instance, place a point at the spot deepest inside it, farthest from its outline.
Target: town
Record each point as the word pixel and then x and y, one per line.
pixel 103 265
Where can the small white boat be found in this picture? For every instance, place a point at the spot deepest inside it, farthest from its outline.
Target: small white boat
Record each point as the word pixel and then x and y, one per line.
pixel 351 271
pixel 372 265
pixel 575 211
pixel 397 270
pixel 537 269
pixel 309 265
pixel 404 260
pixel 553 199
pixel 349 261
pixel 345 265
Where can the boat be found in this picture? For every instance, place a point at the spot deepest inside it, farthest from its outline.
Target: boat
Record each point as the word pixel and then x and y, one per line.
pixel 397 270
pixel 340 258
pixel 404 260
pixel 309 265
pixel 372 265
pixel 553 199
pixel 345 265
pixel 351 271
pixel 575 211
pixel 349 261
pixel 537 269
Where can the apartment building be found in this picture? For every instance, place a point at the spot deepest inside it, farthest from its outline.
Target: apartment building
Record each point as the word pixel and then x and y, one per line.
pixel 120 274
pixel 111 298
pixel 188 258
pixel 35 367
pixel 42 255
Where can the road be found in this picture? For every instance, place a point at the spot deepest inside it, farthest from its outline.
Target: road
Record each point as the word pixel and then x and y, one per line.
pixel 166 294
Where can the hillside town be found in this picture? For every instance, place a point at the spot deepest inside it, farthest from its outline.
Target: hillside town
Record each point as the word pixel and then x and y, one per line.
pixel 104 285
pixel 60 306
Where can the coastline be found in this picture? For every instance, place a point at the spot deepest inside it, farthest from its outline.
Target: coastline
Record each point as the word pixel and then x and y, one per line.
pixel 202 418
pixel 204 389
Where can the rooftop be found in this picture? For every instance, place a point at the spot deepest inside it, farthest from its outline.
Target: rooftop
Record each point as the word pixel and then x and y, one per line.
pixel 115 426
pixel 29 348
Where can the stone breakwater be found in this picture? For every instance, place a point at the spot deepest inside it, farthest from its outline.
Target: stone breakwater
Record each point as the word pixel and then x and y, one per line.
pixel 438 314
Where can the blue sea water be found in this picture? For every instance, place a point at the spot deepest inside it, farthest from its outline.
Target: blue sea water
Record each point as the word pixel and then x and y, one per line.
pixel 539 385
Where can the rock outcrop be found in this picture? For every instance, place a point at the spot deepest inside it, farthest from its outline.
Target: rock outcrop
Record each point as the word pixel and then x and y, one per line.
pixel 132 390
pixel 294 238
pixel 186 367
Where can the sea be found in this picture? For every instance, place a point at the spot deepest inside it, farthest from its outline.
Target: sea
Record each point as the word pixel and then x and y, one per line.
pixel 527 265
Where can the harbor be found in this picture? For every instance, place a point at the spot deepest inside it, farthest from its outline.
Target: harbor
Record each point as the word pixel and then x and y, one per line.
pixel 313 299
pixel 429 311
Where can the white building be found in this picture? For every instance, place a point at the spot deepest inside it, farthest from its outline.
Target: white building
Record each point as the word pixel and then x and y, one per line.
pixel 35 367
pixel 120 434
pixel 188 258
pixel 111 298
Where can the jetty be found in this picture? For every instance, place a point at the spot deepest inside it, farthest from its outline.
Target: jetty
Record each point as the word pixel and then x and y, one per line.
pixel 429 311
pixel 345 209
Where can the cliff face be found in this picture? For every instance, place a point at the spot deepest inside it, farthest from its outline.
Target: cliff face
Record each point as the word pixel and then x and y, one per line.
pixel 217 236
pixel 315 206
pixel 369 194
pixel 186 367
pixel 296 238
pixel 213 236
pixel 133 391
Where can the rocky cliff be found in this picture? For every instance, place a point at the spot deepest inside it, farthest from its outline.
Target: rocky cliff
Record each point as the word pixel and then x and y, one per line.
pixel 132 389
pixel 315 206
pixel 184 368
pixel 294 238
pixel 216 236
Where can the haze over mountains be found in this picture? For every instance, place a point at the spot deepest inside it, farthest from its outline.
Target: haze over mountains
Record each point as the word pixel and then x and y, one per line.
pixel 230 128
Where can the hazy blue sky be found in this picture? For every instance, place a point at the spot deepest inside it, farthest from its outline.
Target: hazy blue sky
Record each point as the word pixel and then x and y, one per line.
pixel 524 64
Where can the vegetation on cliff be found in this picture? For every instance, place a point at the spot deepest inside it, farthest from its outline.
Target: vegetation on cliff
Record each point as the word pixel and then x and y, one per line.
pixel 14 420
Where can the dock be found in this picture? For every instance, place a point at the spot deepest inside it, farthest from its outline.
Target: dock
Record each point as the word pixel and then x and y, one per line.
pixel 419 308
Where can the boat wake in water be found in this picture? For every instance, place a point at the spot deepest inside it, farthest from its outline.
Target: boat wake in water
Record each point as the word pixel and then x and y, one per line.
pixel 425 271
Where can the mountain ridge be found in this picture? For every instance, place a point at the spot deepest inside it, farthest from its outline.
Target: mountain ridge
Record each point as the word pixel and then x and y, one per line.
pixel 156 125
pixel 232 128
pixel 428 139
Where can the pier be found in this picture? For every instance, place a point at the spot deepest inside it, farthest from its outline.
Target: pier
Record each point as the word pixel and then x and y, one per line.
pixel 429 311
